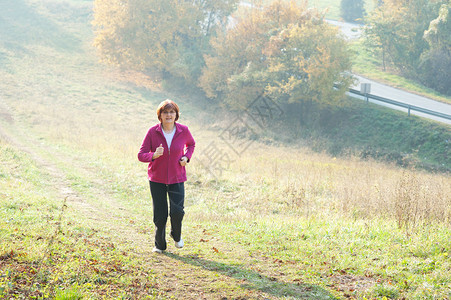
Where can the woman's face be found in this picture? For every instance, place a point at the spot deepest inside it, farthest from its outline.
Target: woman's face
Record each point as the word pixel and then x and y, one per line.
pixel 168 116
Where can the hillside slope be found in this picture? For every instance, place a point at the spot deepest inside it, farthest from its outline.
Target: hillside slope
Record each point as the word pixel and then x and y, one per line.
pixel 263 221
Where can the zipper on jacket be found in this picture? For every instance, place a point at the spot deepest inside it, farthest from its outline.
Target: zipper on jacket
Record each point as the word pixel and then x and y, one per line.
pixel 167 164
pixel 169 151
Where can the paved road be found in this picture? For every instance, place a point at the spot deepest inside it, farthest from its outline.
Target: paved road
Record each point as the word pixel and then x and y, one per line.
pixel 405 97
pixel 353 31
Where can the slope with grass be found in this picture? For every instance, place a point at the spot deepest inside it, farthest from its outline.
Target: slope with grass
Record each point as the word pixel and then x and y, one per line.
pixel 280 222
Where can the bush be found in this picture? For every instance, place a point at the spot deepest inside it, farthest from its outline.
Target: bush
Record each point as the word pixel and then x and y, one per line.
pixel 435 65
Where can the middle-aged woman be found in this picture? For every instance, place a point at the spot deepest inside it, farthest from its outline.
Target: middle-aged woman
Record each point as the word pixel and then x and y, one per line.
pixel 167 147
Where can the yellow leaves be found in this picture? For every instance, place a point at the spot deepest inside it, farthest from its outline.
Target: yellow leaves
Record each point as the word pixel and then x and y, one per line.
pixel 163 35
pixel 275 46
pixel 277 67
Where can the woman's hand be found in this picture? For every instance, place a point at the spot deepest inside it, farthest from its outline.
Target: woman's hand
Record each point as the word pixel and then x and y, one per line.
pixel 183 161
pixel 158 152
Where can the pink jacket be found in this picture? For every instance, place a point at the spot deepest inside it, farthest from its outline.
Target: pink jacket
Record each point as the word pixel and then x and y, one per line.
pixel 166 168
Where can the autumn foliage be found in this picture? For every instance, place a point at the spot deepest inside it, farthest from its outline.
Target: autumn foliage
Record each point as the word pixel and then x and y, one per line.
pixel 170 36
pixel 284 49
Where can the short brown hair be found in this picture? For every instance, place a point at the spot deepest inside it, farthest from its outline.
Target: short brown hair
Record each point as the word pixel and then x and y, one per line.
pixel 166 105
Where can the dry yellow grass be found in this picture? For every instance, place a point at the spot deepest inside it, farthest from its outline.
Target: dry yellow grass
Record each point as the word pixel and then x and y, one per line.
pixel 297 179
pixel 262 178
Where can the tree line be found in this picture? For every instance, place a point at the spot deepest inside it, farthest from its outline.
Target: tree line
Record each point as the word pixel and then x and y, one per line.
pixel 411 36
pixel 283 49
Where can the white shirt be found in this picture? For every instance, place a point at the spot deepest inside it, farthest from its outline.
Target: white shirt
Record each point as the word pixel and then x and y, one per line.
pixel 168 137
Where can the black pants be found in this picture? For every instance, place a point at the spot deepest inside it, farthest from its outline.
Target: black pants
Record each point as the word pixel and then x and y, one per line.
pixel 159 192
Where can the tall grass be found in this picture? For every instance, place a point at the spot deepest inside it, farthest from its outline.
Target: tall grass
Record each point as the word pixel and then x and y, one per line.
pixel 300 182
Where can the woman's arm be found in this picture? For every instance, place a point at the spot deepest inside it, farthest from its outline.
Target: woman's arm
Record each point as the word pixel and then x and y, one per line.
pixel 145 154
pixel 190 145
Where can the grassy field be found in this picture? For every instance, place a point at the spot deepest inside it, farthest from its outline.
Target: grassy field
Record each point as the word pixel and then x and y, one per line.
pixel 275 221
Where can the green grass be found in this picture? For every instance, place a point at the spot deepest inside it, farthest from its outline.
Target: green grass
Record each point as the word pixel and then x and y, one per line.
pixel 294 257
pixel 373 131
pixel 283 222
pixel 48 249
pixel 340 253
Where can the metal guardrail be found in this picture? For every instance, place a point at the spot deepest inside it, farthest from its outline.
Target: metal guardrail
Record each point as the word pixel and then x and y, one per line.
pixel 400 104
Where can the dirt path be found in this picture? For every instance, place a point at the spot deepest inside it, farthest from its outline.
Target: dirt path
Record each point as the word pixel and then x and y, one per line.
pixel 61 183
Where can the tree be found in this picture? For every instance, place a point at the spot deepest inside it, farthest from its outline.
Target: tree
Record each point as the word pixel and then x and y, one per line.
pixel 352 10
pixel 304 62
pixel 438 34
pixel 285 50
pixel 396 29
pixel 381 29
pixel 436 61
pixel 170 36
pixel 235 52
